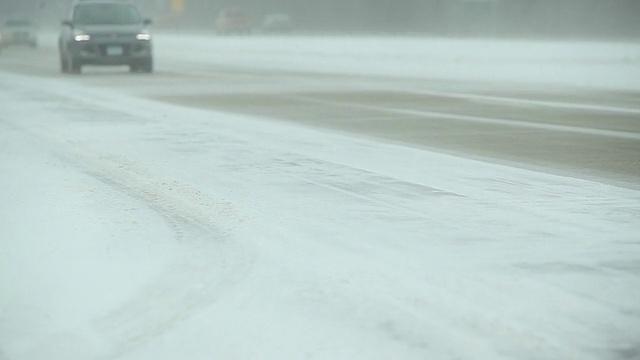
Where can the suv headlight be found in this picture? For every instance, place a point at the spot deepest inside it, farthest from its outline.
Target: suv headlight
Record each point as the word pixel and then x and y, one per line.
pixel 143 35
pixel 79 35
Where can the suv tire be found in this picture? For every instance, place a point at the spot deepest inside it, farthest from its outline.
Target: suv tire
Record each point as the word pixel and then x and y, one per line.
pixel 73 65
pixel 143 66
pixel 64 65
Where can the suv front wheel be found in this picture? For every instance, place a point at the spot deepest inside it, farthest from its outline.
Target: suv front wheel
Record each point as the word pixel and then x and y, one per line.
pixel 74 65
pixel 145 66
pixel 64 65
pixel 70 64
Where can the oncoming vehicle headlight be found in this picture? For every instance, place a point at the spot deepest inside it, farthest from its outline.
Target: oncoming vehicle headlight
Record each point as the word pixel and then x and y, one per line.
pixel 143 36
pixel 79 35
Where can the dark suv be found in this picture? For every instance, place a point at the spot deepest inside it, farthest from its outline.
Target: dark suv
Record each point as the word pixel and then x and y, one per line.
pixel 105 32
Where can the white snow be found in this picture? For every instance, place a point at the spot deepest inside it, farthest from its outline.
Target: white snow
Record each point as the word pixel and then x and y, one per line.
pixel 132 229
pixel 591 64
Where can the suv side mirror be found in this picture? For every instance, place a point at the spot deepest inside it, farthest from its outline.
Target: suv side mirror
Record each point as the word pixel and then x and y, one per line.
pixel 147 21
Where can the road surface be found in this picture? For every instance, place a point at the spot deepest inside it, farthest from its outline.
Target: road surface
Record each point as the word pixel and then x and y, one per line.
pixel 250 200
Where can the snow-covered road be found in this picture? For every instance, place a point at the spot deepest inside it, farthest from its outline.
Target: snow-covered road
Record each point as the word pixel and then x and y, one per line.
pixel 136 229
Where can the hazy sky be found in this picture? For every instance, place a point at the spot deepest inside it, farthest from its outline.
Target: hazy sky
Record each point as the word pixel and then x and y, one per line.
pixel 575 18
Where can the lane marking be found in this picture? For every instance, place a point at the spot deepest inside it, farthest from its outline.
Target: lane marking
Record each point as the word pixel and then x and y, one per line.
pixel 477 119
pixel 520 101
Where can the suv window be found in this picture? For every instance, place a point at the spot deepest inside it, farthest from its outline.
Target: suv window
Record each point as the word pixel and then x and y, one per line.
pixel 102 14
pixel 17 23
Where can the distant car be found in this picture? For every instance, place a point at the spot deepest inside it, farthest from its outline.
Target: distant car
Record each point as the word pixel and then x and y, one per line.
pixel 233 20
pixel 105 32
pixel 18 32
pixel 277 22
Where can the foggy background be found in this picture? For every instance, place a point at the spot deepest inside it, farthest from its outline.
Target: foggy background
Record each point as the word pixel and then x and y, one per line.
pixel 519 18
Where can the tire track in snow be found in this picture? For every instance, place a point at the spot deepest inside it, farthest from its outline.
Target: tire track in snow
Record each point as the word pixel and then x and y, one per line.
pixel 208 262
pixel 208 265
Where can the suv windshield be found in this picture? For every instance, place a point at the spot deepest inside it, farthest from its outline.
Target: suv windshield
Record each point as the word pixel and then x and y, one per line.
pixel 102 14
pixel 17 23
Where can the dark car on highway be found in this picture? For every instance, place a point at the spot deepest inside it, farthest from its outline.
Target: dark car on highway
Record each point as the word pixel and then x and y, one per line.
pixel 105 32
pixel 18 32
